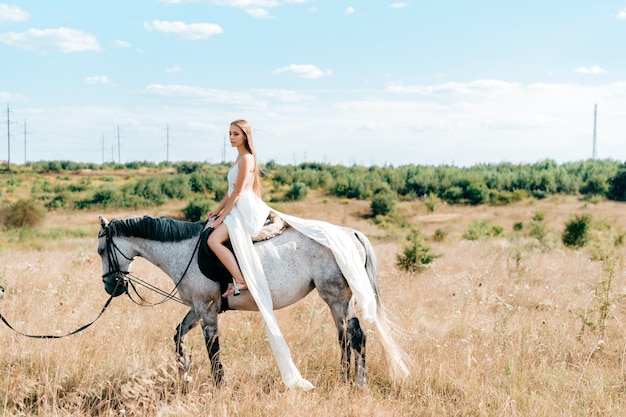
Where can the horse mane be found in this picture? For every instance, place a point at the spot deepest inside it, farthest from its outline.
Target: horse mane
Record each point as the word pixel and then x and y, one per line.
pixel 162 229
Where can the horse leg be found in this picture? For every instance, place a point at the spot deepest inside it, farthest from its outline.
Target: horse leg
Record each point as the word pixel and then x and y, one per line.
pixel 358 338
pixel 211 339
pixel 182 355
pixel 351 338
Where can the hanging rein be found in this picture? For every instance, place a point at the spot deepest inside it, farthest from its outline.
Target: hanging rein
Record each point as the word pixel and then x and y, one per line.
pixel 130 280
pixel 123 280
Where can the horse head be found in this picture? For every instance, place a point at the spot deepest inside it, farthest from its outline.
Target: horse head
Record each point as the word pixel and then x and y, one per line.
pixel 115 264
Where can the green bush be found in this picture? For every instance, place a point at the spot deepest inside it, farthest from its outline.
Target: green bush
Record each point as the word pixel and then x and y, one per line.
pixel 383 202
pixel 577 231
pixel 22 213
pixel 197 209
pixel 617 185
pixel 476 194
pixel 59 201
pixel 440 235
pixel 477 230
pixel 453 195
pixel 431 201
pixel 496 230
pixel 417 256
pixel 298 191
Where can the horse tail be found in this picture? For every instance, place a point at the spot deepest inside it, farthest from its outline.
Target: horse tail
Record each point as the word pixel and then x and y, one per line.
pixel 395 356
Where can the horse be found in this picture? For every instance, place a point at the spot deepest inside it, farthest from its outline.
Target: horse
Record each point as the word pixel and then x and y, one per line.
pixel 294 265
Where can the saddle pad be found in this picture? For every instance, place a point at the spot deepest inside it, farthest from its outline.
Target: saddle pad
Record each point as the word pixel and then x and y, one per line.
pixel 209 263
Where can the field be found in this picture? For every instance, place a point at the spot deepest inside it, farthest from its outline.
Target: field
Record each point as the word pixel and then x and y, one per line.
pixel 509 325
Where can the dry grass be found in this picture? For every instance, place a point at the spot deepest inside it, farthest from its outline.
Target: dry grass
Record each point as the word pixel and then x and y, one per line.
pixel 495 325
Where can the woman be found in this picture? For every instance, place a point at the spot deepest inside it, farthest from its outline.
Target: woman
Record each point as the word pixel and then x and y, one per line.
pixel 241 215
pixel 244 196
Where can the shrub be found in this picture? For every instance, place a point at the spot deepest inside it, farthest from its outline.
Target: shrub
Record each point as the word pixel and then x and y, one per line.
pixel 383 202
pixel 298 191
pixel 23 213
pixel 197 209
pixel 617 185
pixel 496 230
pixel 453 195
pixel 431 201
pixel 477 230
pixel 440 235
pixel 59 201
pixel 476 193
pixel 577 231
pixel 416 256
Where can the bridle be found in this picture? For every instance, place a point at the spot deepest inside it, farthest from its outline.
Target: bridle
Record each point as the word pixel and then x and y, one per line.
pixel 128 280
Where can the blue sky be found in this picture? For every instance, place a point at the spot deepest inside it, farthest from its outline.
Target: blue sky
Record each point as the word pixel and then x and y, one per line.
pixel 347 82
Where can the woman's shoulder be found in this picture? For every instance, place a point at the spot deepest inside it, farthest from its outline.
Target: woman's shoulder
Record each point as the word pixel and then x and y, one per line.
pixel 246 160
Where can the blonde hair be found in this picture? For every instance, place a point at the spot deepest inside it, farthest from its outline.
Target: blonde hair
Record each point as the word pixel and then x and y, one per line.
pixel 249 144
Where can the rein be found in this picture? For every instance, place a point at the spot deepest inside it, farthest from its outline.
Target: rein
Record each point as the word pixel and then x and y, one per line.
pixel 49 336
pixel 132 280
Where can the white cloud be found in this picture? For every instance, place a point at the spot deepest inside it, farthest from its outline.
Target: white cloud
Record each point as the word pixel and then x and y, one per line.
pixel 12 14
pixel 622 14
pixel 400 5
pixel 241 4
pixel 98 79
pixel 462 89
pixel 175 68
pixel 349 10
pixel 204 94
pixel 259 13
pixel 122 44
pixel 594 70
pixel 303 71
pixel 288 96
pixel 61 39
pixel 192 31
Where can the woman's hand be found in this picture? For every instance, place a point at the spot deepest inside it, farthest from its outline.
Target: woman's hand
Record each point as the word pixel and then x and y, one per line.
pixel 215 222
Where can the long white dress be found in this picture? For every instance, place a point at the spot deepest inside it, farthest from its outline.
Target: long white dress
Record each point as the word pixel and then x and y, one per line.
pixel 245 221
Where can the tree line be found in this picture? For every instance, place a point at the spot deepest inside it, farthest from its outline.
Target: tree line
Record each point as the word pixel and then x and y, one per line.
pixel 499 183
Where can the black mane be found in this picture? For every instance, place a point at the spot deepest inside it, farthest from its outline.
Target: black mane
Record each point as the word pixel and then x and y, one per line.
pixel 162 229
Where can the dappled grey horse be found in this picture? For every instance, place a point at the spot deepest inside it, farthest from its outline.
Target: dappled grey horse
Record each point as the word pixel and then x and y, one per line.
pixel 294 266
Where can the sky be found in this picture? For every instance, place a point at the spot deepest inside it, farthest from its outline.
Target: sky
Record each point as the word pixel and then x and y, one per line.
pixel 367 82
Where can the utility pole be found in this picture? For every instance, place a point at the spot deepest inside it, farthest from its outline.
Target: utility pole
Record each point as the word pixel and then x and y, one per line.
pixel 119 148
pixel 595 138
pixel 167 144
pixel 224 150
pixel 25 159
pixel 8 138
pixel 102 149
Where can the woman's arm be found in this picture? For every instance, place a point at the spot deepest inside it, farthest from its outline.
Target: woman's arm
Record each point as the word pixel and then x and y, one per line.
pixel 220 207
pixel 246 164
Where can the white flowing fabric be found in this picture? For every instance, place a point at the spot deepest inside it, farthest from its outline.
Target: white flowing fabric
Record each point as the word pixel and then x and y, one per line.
pixel 244 221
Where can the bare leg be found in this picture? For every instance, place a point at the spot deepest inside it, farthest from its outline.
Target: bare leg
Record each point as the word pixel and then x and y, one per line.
pixel 216 242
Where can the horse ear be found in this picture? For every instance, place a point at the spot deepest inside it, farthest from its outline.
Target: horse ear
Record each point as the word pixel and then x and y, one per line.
pixel 103 222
